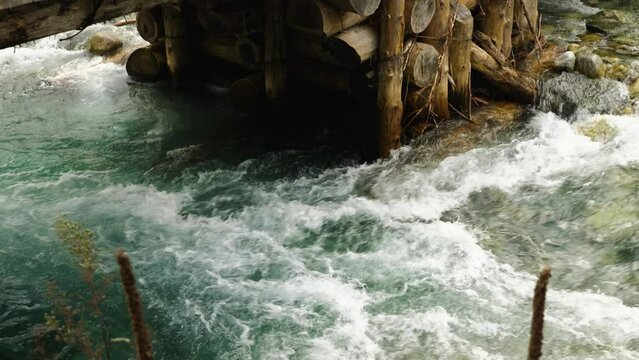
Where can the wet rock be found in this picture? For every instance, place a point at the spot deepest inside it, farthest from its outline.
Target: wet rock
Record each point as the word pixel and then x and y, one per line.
pixel 565 94
pixel 590 65
pixel 617 72
pixel 576 48
pixel 565 62
pixel 599 130
pixel 104 43
pixel 607 21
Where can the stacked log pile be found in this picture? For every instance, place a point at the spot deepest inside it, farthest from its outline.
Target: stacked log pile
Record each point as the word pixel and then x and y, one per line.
pixel 416 57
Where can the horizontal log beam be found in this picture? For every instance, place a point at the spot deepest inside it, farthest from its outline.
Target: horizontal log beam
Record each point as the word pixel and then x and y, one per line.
pixel 26 20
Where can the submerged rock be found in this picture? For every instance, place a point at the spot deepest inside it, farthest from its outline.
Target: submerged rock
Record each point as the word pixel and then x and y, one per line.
pixel 104 43
pixel 565 62
pixel 607 21
pixel 566 93
pixel 590 65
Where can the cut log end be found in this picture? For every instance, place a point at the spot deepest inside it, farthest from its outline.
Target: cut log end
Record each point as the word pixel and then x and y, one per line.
pixel 418 14
pixel 147 64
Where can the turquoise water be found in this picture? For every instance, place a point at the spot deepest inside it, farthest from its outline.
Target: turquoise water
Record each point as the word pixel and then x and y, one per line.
pixel 247 247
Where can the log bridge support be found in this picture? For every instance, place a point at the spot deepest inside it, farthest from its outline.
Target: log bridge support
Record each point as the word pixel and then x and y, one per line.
pixel 412 58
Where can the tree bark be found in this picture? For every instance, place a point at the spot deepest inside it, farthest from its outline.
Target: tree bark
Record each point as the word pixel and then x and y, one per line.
pixel 418 14
pixel 275 50
pixel 355 45
pixel 497 23
pixel 361 7
pixel 176 43
pixel 391 60
pixel 459 61
pixel 526 15
pixel 319 18
pixel 148 63
pixel 507 79
pixel 436 34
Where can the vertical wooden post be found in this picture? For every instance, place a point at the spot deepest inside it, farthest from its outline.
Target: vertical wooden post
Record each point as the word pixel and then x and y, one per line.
pixel 390 76
pixel 459 61
pixel 275 51
pixel 176 44
pixel 526 19
pixel 497 23
pixel 436 34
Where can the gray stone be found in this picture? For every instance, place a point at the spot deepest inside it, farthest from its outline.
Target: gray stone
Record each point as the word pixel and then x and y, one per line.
pixel 590 65
pixel 565 62
pixel 104 43
pixel 607 21
pixel 567 93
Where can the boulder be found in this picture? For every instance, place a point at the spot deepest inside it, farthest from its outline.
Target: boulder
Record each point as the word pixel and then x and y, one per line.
pixel 590 65
pixel 565 62
pixel 104 43
pixel 607 21
pixel 567 93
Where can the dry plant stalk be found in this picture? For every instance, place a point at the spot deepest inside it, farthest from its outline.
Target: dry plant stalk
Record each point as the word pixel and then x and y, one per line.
pixel 134 303
pixel 537 326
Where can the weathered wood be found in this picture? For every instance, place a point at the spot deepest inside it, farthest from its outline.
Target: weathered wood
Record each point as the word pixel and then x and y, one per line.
pixel 275 50
pixel 510 81
pixel 421 64
pixel 236 19
pixel 526 28
pixel 487 44
pixel 355 45
pixel 496 22
pixel 319 18
pixel 436 34
pixel 148 63
pixel 459 60
pixel 362 7
pixel 418 14
pixel 26 20
pixel 176 43
pixel 470 4
pixel 311 46
pixel 242 51
pixel 248 93
pixel 150 24
pixel 389 89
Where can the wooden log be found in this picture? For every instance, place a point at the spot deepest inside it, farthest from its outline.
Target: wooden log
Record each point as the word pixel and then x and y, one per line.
pixel 332 78
pixel 389 89
pixel 355 45
pixel 248 93
pixel 459 60
pixel 418 14
pixel 150 24
pixel 505 78
pixel 470 4
pixel 361 7
pixel 275 50
pixel 421 66
pixel 148 63
pixel 436 34
pixel 176 44
pixel 244 52
pixel 319 18
pixel 526 28
pixel 236 19
pixel 26 20
pixel 496 22
pixel 311 46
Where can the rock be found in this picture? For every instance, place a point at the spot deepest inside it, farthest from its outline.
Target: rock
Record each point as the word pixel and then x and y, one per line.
pixel 576 48
pixel 565 62
pixel 104 43
pixel 607 21
pixel 566 93
pixel 599 130
pixel 617 72
pixel 590 65
pixel 634 89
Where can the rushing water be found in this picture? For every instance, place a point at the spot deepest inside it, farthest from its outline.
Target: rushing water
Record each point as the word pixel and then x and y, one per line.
pixel 247 250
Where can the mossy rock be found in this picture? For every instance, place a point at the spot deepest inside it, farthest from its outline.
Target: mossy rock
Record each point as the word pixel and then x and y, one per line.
pixel 607 21
pixel 104 43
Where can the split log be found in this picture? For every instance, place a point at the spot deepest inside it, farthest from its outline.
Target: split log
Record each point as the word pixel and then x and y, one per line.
pixel 148 63
pixel 311 46
pixel 389 89
pixel 243 51
pixel 26 20
pixel 436 34
pixel 275 50
pixel 505 78
pixel 418 14
pixel 459 60
pixel 237 19
pixel 355 45
pixel 421 66
pixel 497 23
pixel 526 15
pixel 150 24
pixel 319 18
pixel 248 93
pixel 361 7
pixel 176 43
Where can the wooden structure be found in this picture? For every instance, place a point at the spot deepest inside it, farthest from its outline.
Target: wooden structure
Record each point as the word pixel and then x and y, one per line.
pixel 414 59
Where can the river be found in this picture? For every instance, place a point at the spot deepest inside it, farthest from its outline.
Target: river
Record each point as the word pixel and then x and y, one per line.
pixel 245 248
